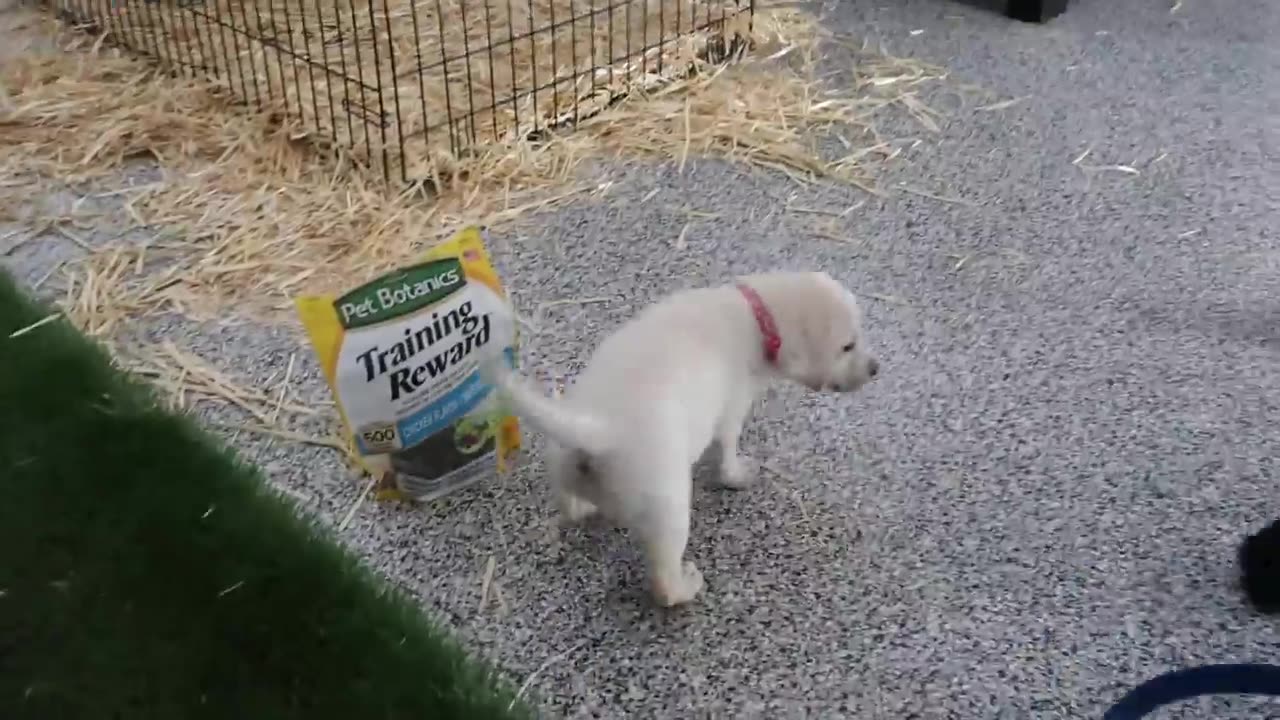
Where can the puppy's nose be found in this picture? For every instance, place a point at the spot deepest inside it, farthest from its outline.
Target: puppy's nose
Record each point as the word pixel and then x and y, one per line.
pixel 873 367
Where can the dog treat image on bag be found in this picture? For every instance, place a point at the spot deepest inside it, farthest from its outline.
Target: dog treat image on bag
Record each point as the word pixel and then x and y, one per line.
pixel 401 354
pixel 472 433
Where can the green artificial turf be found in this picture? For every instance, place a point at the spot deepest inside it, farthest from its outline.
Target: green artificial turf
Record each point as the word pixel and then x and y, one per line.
pixel 146 573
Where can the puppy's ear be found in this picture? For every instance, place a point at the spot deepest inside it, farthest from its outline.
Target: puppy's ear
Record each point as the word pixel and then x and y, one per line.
pixel 796 357
pixel 792 359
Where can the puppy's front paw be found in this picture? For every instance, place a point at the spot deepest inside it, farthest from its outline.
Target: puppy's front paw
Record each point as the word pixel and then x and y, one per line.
pixel 682 590
pixel 574 509
pixel 738 472
pixel 692 579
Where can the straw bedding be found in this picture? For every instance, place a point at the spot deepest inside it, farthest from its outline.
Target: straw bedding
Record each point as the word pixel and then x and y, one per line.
pixel 246 214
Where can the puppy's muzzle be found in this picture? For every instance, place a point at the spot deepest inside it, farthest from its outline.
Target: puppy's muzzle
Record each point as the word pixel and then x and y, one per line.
pixel 873 369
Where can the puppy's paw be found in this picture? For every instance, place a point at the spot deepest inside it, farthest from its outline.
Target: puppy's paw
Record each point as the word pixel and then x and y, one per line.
pixel 737 472
pixel 682 590
pixel 692 579
pixel 574 509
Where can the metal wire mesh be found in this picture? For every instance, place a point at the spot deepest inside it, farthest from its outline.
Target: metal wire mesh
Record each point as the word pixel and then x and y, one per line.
pixel 403 83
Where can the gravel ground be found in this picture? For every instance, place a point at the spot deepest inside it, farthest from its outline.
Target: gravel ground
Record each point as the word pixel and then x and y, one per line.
pixel 1038 503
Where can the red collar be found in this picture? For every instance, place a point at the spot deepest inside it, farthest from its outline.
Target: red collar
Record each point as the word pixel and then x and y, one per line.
pixel 764 319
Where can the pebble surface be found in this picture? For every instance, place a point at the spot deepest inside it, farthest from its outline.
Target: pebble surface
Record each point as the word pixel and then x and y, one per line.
pixel 1037 504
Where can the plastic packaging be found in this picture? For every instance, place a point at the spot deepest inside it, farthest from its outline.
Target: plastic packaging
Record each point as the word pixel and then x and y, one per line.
pixel 402 353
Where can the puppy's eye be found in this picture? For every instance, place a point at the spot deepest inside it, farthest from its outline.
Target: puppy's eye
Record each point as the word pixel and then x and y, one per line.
pixel 848 348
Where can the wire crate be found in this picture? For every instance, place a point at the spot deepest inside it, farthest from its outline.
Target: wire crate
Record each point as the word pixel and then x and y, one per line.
pixel 405 85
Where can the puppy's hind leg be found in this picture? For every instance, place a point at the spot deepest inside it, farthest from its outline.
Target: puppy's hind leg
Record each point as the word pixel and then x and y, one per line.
pixel 736 471
pixel 570 470
pixel 661 524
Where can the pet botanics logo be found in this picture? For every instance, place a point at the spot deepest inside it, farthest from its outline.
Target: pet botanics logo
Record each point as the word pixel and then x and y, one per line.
pixel 400 293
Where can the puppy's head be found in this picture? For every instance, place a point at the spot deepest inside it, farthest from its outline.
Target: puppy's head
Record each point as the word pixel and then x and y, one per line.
pixel 823 345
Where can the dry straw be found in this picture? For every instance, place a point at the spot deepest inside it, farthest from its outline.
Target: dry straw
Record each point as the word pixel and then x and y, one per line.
pixel 247 214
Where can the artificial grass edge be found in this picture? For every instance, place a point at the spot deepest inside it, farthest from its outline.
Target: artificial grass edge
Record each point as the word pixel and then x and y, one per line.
pixel 146 571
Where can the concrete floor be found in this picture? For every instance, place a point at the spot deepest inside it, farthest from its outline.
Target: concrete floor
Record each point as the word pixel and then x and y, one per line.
pixel 1038 503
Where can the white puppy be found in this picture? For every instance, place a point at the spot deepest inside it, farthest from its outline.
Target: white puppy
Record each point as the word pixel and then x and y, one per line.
pixel 677 376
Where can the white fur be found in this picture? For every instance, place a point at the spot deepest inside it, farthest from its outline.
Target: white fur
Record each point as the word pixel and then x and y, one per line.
pixel 678 376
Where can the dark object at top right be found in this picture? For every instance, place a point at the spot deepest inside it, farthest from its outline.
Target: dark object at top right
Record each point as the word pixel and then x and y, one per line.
pixel 1260 568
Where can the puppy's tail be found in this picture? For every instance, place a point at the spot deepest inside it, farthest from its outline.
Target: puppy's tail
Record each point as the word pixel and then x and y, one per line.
pixel 569 428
